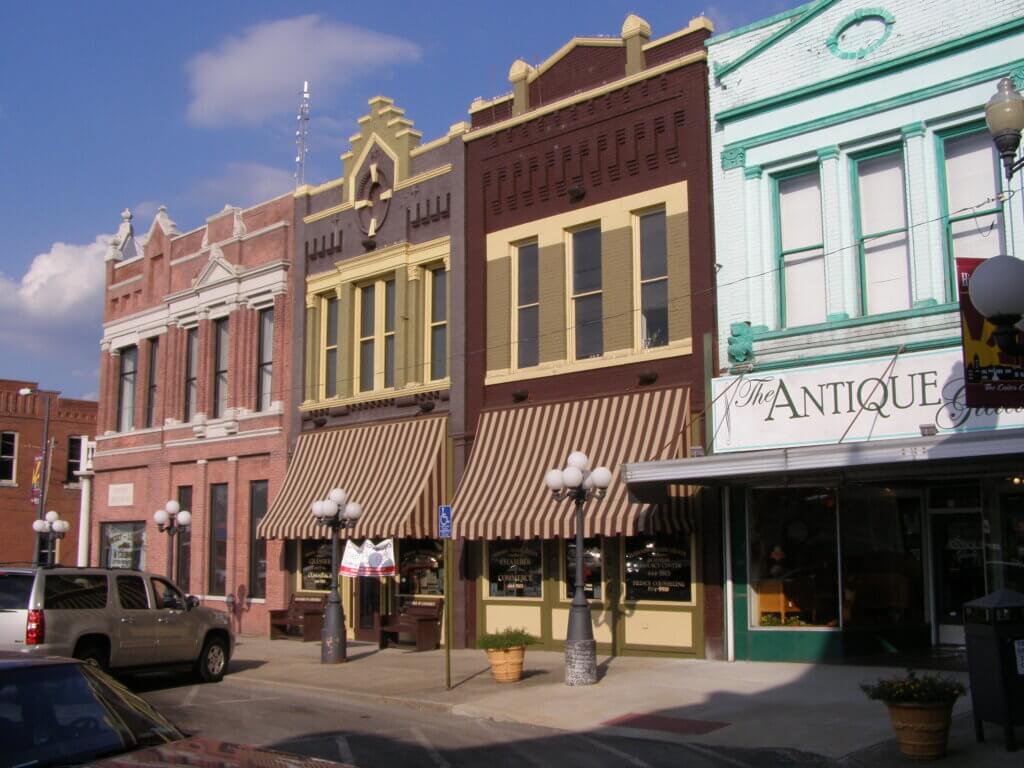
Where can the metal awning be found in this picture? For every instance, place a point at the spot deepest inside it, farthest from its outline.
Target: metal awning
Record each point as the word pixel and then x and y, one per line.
pixel 919 454
pixel 502 494
pixel 395 470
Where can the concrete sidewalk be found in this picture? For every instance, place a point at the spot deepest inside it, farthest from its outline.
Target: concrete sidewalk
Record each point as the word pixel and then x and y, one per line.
pixel 814 708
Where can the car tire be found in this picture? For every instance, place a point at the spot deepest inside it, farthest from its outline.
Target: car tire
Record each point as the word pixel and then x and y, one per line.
pixel 94 654
pixel 213 660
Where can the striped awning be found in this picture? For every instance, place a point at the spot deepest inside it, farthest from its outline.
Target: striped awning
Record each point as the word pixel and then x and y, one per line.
pixel 502 493
pixel 395 470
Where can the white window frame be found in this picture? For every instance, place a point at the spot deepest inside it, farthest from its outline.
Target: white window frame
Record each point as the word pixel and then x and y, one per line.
pixel 571 296
pixel 378 337
pixel 13 482
pixel 639 282
pixel 429 324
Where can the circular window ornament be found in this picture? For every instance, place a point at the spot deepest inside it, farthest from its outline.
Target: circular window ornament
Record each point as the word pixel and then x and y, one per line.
pixel 860 33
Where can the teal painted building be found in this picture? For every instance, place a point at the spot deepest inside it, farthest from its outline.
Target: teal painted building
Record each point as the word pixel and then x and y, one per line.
pixel 863 503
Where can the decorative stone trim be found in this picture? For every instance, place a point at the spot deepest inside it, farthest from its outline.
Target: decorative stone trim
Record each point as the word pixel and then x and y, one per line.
pixel 828 153
pixel 733 157
pixel 912 130
pixel 887 19
pixel 753 172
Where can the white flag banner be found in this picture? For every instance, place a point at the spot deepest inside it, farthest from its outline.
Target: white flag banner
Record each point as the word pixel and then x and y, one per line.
pixel 368 559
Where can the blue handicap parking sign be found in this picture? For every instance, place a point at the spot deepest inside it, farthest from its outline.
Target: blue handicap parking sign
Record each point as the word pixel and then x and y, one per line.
pixel 444 522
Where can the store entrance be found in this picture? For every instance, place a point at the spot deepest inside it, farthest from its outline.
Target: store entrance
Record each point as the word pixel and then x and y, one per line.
pixel 957 558
pixel 367 607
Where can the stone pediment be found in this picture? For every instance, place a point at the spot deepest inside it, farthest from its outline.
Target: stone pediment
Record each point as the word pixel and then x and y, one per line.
pixel 384 130
pixel 217 270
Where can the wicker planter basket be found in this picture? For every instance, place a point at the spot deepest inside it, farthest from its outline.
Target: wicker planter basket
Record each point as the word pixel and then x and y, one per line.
pixel 507 664
pixel 922 730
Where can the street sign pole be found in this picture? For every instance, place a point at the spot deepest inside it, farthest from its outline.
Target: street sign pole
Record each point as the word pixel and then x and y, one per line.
pixel 444 531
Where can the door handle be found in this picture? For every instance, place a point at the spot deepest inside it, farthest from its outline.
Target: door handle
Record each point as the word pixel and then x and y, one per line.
pixel 127 620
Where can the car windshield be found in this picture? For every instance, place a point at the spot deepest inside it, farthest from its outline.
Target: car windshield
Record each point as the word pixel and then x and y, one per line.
pixel 72 714
pixel 15 589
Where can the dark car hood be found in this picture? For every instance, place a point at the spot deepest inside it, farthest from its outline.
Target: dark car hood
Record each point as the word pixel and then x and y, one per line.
pixel 208 753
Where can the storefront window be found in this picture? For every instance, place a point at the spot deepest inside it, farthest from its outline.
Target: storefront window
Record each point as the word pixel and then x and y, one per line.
pixel 591 568
pixel 658 568
pixel 793 558
pixel 123 545
pixel 1006 560
pixel 315 563
pixel 420 567
pixel 514 568
pixel 883 581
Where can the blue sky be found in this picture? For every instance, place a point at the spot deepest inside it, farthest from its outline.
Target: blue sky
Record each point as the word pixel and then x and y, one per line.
pixel 107 105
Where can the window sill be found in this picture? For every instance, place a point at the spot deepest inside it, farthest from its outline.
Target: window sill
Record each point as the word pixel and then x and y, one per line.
pixel 609 360
pixel 938 309
pixel 72 486
pixel 8 484
pixel 380 394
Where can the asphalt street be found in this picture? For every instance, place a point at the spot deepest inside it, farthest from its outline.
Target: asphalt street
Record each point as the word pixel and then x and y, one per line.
pixel 369 734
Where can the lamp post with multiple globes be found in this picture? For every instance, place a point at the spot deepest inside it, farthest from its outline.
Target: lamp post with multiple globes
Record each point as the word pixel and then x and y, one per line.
pixel 53 528
pixel 337 513
pixel 997 285
pixel 172 520
pixel 579 483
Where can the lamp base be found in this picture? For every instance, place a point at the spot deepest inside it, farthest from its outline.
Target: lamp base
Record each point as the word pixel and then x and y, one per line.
pixel 580 662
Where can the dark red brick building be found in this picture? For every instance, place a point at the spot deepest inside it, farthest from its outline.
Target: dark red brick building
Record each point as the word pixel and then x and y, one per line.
pixel 195 403
pixel 590 274
pixel 71 425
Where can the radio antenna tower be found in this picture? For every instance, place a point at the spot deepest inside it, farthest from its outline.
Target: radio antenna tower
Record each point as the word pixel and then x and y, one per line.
pixel 301 136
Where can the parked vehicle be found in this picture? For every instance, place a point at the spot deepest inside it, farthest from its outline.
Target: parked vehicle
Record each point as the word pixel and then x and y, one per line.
pixel 112 618
pixel 62 712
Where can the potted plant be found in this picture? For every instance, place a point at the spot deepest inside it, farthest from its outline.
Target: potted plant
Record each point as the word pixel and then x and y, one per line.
pixel 920 707
pixel 505 651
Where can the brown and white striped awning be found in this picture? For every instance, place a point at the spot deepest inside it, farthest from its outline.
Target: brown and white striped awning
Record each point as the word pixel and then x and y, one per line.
pixel 395 470
pixel 502 493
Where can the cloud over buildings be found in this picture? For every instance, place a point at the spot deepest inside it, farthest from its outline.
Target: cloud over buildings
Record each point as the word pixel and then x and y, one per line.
pixel 242 184
pixel 259 73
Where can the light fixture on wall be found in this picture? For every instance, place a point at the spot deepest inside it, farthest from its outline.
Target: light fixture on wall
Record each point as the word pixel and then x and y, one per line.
pixel 576 193
pixel 1004 115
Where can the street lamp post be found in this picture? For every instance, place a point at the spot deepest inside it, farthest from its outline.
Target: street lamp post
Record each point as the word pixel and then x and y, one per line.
pixel 997 285
pixel 53 528
pixel 172 519
pixel 579 483
pixel 337 513
pixel 45 469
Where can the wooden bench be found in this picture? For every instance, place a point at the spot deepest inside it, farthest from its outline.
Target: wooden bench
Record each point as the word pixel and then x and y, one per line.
pixel 420 618
pixel 303 613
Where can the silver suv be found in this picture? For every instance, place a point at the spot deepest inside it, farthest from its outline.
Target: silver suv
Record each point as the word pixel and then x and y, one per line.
pixel 116 619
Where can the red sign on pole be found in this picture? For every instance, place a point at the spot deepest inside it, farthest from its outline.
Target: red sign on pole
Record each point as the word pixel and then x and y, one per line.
pixel 992 379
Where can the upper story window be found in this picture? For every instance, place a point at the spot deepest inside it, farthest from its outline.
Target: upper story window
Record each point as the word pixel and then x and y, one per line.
pixel 975 227
pixel 437 336
pixel 331 346
pixel 586 293
pixel 265 359
pixel 881 230
pixel 8 457
pixel 191 369
pixel 220 367
pixel 126 389
pixel 527 306
pixel 75 446
pixel 653 283
pixel 375 361
pixel 800 251
pixel 154 349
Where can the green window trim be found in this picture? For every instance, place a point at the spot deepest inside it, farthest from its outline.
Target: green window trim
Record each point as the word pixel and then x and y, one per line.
pixel 941 137
pixel 779 253
pixel 860 237
pixel 857 17
pixel 853 322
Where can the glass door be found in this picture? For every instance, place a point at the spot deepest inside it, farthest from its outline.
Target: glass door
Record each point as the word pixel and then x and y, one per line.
pixel 958 569
pixel 367 607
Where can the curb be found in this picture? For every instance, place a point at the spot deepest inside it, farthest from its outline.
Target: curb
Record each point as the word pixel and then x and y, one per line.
pixel 408 703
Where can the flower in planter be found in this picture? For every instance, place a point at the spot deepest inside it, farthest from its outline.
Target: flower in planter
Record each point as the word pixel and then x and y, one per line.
pixel 912 688
pixel 502 640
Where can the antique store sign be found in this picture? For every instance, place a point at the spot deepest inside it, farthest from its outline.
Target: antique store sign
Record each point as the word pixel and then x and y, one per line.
pixel 876 399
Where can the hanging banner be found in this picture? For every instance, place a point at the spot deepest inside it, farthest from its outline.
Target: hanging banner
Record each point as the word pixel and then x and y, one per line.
pixel 36 491
pixel 368 559
pixel 991 379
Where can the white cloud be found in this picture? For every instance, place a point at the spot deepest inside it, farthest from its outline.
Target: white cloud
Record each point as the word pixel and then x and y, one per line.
pixel 242 184
pixel 145 210
pixel 248 78
pixel 57 305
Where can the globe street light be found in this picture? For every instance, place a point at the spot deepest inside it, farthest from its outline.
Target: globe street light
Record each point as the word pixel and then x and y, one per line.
pixel 579 483
pixel 338 514
pixel 172 519
pixel 997 284
pixel 53 528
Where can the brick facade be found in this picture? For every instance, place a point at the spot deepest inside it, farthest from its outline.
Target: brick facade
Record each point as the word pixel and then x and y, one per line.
pixel 24 415
pixel 159 286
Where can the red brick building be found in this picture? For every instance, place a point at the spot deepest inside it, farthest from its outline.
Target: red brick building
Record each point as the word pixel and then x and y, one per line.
pixel 195 403
pixel 71 424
